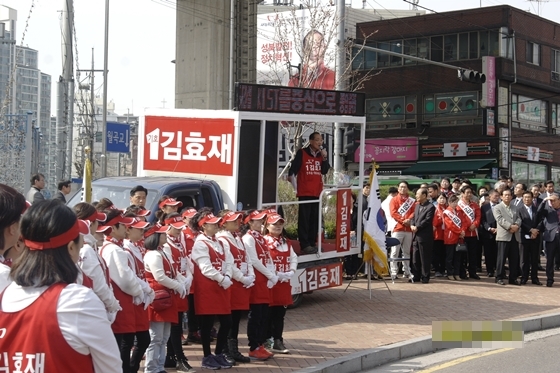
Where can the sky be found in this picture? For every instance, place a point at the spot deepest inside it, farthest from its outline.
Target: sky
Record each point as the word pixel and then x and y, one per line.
pixel 142 41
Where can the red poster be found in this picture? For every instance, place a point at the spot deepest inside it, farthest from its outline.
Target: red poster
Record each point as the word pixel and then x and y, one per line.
pixel 190 145
pixel 343 219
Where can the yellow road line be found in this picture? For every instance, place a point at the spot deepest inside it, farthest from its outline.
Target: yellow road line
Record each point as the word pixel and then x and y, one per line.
pixel 462 360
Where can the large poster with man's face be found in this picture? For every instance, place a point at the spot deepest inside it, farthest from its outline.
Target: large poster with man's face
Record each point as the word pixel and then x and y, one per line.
pixel 297 48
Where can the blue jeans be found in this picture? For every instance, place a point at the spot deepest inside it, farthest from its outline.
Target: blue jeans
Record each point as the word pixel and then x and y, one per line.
pixel 155 354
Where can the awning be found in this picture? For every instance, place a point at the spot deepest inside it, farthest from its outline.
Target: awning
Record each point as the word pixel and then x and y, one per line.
pixel 447 167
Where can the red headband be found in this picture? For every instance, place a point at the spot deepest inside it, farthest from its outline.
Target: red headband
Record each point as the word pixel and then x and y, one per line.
pixel 61 239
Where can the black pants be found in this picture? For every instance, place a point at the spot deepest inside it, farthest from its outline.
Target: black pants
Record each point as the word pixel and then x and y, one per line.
pixel 510 250
pixel 235 320
pixel 459 260
pixel 551 249
pixel 530 259
pixel 276 321
pixel 192 319
pixel 206 324
pixel 439 256
pixel 490 254
pixel 352 264
pixel 125 341
pixel 472 254
pixel 257 324
pixel 174 345
pixel 421 257
pixel 449 256
pixel 142 343
pixel 308 222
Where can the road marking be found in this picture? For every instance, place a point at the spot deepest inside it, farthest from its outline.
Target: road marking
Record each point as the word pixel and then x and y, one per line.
pixel 462 360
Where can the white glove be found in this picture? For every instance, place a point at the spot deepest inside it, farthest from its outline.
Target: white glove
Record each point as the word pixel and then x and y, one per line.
pixel 226 282
pixel 248 281
pixel 274 280
pixel 115 306
pixel 282 277
pixel 188 283
pixel 181 291
pixel 148 298
pixel 111 316
pixel 138 299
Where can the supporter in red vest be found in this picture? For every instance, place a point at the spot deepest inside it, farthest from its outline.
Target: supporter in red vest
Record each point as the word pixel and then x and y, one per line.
pixel 453 232
pixel 182 264
pixel 243 278
pixel 91 263
pixel 165 281
pixel 134 246
pixel 167 205
pixel 265 279
pixel 285 261
pixel 54 324
pixel 439 245
pixel 12 205
pixel 471 214
pixel 125 284
pixel 212 280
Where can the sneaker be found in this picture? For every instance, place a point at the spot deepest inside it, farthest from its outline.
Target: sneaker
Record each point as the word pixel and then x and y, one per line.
pixel 309 250
pixel 194 337
pixel 259 353
pixel 184 340
pixel 184 366
pixel 279 347
pixel 209 362
pixel 229 358
pixel 268 343
pixel 221 359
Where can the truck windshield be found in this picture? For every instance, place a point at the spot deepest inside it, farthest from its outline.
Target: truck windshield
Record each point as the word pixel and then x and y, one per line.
pixel 120 196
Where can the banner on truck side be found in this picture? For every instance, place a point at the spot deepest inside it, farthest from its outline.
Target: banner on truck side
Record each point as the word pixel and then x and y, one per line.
pixel 317 277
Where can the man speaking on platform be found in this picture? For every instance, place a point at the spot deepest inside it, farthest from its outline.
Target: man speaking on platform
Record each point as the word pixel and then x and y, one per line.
pixel 308 166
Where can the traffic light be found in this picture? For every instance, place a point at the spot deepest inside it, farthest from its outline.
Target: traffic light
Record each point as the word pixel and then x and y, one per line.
pixel 471 76
pixel 351 142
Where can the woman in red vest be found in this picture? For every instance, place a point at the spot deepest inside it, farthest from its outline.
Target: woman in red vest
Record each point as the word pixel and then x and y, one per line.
pixel 243 278
pixel 12 205
pixel 49 323
pixel 165 281
pixel 285 261
pixel 265 279
pixel 439 245
pixel 125 284
pixel 91 264
pixel 212 279
pixel 181 263
pixel 453 232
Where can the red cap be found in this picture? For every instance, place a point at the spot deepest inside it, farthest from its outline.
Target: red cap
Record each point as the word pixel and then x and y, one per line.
pixel 143 212
pixel 156 229
pixel 230 216
pixel 189 213
pixel 209 219
pixel 255 215
pixel 270 211
pixel 119 219
pixel 79 227
pixel 175 222
pixel 170 202
pixel 274 218
pixel 139 224
pixel 99 216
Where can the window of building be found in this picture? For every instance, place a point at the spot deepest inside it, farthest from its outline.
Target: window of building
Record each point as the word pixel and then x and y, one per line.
pixel 506 47
pixel 450 47
pixel 464 46
pixel 357 58
pixel 436 48
pixel 533 53
pixel 494 43
pixel 370 59
pixel 423 48
pixel 555 171
pixel 396 46
pixel 382 58
pixel 410 48
pixel 483 38
pixel 473 45
pixel 555 64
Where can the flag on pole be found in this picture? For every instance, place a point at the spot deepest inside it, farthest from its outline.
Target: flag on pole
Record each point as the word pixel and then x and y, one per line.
pixel 374 235
pixel 86 181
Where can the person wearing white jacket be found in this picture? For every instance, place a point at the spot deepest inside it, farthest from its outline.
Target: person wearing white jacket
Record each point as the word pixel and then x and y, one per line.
pixel 163 279
pixel 125 284
pixel 91 263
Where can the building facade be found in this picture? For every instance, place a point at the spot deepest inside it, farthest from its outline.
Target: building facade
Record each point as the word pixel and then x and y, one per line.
pixel 445 126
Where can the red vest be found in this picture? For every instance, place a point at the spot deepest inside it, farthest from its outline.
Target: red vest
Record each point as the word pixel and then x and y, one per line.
pixel 170 314
pixel 34 334
pixel 309 178
pixel 188 238
pixel 179 257
pixel 125 321
pixel 281 293
pixel 239 295
pixel 209 297
pixel 260 293
pixel 140 314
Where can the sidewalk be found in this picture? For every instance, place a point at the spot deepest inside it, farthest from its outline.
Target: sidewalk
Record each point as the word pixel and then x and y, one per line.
pixel 331 324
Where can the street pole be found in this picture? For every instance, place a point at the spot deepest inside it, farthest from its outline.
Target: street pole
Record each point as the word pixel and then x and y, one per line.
pixel 105 71
pixel 338 162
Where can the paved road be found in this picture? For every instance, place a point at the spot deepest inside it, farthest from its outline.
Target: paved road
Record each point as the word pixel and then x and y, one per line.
pixel 539 354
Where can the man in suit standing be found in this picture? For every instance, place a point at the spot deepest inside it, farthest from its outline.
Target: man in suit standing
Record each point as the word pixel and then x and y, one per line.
pixel 423 231
pixel 487 232
pixel 64 189
pixel 530 239
pixel 37 184
pixel 507 238
pixel 549 189
pixel 548 213
pixel 518 191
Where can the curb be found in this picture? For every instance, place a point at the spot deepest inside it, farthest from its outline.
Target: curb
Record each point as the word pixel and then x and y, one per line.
pixel 372 358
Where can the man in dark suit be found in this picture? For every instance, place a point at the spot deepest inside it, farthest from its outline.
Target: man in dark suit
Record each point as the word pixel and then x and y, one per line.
pixel 530 239
pixel 549 189
pixel 548 213
pixel 64 188
pixel 487 232
pixel 423 239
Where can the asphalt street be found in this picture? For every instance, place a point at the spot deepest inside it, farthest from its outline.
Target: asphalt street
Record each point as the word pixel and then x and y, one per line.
pixel 539 354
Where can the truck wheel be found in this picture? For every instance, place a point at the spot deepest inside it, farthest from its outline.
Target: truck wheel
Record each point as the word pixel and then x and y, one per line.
pixel 296 299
